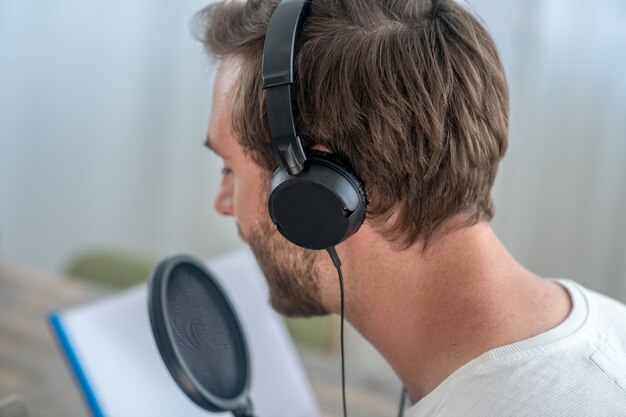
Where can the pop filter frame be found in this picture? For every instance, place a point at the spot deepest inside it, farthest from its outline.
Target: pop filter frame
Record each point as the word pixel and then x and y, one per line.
pixel 173 355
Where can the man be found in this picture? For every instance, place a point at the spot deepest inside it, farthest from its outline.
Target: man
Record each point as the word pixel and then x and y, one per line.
pixel 412 95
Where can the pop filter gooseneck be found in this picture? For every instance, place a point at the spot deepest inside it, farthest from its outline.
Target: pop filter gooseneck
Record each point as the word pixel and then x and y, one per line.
pixel 199 336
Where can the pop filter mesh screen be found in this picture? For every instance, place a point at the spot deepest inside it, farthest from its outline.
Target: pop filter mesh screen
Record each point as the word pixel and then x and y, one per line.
pixel 206 332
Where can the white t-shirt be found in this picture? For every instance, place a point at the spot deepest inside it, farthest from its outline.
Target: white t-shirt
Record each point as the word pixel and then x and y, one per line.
pixel 577 369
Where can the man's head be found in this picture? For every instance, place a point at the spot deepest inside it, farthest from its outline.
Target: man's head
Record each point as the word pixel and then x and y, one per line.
pixel 412 93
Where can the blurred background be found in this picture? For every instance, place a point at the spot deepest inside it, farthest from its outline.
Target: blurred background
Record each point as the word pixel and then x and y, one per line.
pixel 103 111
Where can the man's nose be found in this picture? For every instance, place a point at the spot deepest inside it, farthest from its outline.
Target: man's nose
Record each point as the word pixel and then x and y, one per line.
pixel 224 202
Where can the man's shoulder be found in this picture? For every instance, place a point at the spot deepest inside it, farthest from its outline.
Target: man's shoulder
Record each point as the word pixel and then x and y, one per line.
pixel 575 383
pixel 607 317
pixel 577 369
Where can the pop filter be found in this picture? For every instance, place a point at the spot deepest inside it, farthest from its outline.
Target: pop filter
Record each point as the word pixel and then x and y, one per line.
pixel 199 336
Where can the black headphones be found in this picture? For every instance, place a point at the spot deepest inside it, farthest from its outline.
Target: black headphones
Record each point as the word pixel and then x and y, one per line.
pixel 316 200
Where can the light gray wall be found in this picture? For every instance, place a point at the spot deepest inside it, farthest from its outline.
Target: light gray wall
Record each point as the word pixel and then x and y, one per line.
pixel 103 110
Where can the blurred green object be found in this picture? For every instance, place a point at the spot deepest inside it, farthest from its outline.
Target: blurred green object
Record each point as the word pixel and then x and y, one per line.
pixel 314 332
pixel 113 268
pixel 13 406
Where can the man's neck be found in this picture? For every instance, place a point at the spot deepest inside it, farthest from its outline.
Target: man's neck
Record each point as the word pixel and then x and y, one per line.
pixel 428 314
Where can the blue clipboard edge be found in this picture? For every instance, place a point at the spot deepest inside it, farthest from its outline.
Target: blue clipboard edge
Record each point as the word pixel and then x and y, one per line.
pixel 56 322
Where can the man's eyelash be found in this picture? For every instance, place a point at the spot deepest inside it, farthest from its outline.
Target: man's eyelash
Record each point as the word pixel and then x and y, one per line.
pixel 226 171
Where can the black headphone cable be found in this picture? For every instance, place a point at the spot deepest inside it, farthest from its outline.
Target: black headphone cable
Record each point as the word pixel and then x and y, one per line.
pixel 335 258
pixel 402 402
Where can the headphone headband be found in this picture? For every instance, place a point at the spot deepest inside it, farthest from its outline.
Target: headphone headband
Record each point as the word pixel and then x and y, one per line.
pixel 315 201
pixel 278 76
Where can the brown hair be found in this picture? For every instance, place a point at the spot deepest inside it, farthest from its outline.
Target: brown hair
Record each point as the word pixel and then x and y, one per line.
pixel 411 92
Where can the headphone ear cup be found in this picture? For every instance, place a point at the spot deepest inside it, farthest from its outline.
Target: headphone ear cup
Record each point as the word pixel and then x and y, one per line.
pixel 321 206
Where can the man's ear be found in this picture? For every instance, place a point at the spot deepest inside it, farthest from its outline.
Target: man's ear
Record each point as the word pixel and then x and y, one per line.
pixel 322 148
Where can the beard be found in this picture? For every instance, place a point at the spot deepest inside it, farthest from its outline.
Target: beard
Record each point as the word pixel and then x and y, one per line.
pixel 292 272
